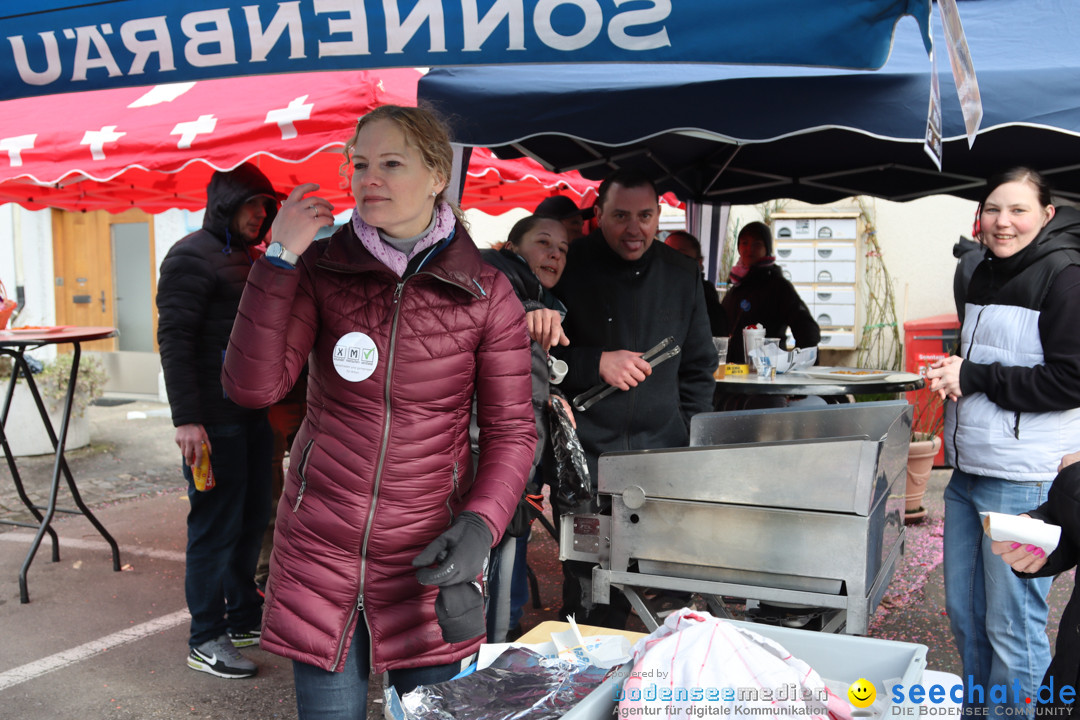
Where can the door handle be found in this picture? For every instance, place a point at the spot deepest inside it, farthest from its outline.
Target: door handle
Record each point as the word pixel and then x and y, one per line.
pixel 102 301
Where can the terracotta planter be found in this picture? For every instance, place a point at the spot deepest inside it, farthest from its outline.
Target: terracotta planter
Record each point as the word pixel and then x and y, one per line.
pixel 920 462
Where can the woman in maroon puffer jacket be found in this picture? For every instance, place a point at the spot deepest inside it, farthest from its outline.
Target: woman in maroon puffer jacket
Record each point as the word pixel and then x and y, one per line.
pixel 401 323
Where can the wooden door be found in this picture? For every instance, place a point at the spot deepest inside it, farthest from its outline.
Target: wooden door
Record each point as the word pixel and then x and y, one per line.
pixel 83 266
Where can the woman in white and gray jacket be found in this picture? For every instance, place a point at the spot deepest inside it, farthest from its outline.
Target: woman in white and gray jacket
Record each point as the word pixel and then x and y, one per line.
pixel 1015 411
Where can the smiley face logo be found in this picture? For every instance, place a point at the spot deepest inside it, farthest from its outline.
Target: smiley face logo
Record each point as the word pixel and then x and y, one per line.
pixel 862 693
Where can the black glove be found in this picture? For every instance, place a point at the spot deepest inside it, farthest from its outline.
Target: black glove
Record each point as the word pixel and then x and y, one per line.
pixel 461 553
pixel 460 609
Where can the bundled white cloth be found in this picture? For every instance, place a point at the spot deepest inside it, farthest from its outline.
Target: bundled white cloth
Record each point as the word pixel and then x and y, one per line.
pixel 697 666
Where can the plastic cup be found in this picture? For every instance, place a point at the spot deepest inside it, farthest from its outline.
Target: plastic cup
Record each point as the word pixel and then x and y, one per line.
pixel 763 364
pixel 753 338
pixel 721 345
pixel 771 348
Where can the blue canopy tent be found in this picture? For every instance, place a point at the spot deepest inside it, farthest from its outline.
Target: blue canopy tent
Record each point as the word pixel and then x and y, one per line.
pixel 745 134
pixel 54 46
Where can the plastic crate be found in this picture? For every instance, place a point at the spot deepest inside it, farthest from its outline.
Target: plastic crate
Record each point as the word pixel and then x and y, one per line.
pixel 841 659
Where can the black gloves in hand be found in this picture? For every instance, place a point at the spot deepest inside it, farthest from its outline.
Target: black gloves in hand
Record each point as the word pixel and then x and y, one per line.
pixel 460 609
pixel 460 553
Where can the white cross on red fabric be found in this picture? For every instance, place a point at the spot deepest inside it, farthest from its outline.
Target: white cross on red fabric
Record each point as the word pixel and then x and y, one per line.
pixel 96 139
pixel 298 109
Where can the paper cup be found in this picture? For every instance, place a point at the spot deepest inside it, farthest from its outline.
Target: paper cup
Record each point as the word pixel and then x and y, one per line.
pixel 1024 530
pixel 558 369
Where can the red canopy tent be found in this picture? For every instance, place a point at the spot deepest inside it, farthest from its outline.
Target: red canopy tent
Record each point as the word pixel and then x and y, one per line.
pixel 496 186
pixel 154 148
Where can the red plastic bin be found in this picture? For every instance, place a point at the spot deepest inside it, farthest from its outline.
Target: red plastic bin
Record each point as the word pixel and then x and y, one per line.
pixel 927 340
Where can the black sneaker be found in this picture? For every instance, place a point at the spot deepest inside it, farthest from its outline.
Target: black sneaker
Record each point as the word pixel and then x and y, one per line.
pixel 219 657
pixel 245 639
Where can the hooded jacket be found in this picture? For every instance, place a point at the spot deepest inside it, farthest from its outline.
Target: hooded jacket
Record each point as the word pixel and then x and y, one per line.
pixel 968 254
pixel 202 278
pixel 381 464
pixel 1020 409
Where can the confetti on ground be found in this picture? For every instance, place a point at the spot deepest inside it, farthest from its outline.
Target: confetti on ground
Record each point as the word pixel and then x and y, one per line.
pixel 922 553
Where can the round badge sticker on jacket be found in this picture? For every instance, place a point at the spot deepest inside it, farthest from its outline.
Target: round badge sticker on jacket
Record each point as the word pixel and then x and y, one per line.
pixel 355 357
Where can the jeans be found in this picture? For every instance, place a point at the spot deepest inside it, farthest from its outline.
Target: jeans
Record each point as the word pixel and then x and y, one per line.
pixel 225 529
pixel 508 587
pixel 519 583
pixel 324 695
pixel 997 619
pixel 500 587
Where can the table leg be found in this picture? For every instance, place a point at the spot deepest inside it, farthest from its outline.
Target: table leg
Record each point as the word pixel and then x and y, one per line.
pixel 19 365
pixel 60 465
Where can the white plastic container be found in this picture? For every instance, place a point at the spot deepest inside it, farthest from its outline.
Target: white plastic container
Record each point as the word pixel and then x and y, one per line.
pixel 838 659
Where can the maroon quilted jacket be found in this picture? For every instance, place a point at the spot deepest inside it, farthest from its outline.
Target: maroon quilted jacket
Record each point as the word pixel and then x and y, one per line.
pixel 381 466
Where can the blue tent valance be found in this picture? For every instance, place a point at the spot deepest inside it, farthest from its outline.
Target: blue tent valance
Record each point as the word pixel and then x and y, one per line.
pixel 54 46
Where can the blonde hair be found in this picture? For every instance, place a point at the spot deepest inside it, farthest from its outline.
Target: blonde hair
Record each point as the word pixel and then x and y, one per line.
pixel 423 130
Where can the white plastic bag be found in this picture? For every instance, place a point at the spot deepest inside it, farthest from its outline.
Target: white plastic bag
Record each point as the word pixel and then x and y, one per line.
pixel 788 360
pixel 697 665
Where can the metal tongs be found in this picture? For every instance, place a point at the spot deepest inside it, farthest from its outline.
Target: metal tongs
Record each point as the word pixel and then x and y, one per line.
pixel 654 355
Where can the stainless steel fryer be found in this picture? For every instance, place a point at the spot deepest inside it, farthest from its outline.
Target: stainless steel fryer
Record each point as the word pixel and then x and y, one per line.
pixel 789 505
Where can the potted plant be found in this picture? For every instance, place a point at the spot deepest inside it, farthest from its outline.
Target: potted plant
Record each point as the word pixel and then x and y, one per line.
pixel 928 420
pixel 25 432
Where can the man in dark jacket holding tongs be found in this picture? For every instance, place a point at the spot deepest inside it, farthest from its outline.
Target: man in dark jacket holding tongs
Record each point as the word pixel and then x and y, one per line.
pixel 641 357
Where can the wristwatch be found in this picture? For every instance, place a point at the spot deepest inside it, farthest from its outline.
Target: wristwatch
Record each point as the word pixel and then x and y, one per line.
pixel 277 250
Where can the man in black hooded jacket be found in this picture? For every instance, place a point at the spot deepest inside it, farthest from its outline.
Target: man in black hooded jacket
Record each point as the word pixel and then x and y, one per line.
pixel 202 279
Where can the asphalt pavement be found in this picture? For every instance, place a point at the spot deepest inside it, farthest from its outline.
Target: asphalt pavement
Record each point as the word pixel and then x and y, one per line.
pixel 97 644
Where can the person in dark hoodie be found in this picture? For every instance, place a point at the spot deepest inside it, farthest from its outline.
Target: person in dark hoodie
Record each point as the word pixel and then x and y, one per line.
pixel 760 295
pixel 202 279
pixel 1014 411
pixel 1062 508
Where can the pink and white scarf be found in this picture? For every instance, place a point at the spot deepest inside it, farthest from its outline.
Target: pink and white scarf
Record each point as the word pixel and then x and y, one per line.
pixel 390 256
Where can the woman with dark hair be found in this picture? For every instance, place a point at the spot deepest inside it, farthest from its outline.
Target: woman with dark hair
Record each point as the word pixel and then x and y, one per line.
pixel 533 259
pixel 385 522
pixel 760 295
pixel 1014 412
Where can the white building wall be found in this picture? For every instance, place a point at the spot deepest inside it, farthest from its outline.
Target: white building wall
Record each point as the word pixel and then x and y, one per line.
pixel 26 243
pixel 487 230
pixel 7 247
pixel 916 240
pixel 169 227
